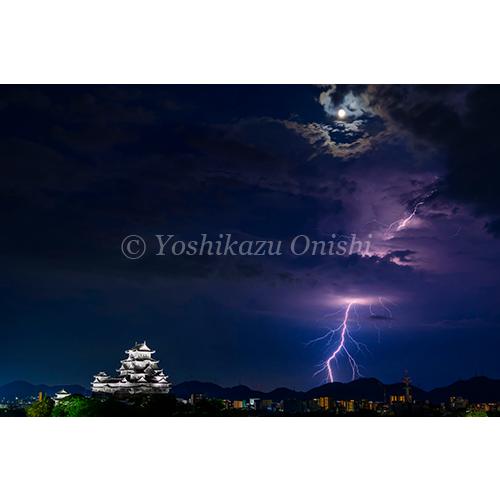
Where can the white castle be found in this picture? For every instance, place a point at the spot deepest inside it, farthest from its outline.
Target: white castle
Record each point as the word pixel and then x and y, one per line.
pixel 138 374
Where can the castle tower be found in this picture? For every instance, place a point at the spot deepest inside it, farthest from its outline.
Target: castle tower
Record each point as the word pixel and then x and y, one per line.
pixel 138 374
pixel 60 395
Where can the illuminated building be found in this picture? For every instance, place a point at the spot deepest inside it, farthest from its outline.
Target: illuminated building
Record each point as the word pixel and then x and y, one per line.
pixel 397 398
pixel 138 374
pixel 347 405
pixel 254 403
pixel 404 395
pixel 228 405
pixel 367 405
pixel 458 402
pixel 239 405
pixel 59 395
pixel 326 403
pixel 194 398
pixel 266 403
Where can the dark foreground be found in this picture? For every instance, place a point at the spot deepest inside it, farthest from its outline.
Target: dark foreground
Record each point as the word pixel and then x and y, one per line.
pixel 169 406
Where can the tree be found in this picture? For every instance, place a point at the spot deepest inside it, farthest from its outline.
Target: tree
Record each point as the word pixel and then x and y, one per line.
pixel 76 406
pixel 41 408
pixel 208 407
pixel 154 405
pixel 476 413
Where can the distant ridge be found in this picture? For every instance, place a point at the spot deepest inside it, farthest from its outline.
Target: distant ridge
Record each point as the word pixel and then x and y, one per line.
pixel 476 390
pixel 23 389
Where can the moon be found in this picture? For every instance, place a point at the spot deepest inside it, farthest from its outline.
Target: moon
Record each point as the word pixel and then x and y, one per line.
pixel 341 114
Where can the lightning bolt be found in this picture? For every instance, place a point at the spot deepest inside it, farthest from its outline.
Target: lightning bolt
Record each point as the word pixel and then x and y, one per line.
pixel 402 223
pixel 343 328
pixel 372 314
pixel 342 346
pixel 389 312
pixel 344 338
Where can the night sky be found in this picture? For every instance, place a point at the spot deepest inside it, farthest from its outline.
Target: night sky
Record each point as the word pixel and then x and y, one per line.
pixel 84 166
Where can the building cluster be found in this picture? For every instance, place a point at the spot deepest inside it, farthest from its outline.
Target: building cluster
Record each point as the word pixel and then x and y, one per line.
pixel 458 403
pixel 320 404
pixel 323 403
pixel 396 403
pixel 334 406
pixel 17 402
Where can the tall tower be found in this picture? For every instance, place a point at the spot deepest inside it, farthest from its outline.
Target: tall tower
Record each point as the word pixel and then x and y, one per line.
pixel 407 388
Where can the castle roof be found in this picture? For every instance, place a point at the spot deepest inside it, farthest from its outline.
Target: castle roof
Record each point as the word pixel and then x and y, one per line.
pixel 138 373
pixel 142 347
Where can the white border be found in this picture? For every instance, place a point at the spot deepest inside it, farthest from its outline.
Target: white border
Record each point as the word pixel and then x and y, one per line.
pixel 263 41
pixel 249 458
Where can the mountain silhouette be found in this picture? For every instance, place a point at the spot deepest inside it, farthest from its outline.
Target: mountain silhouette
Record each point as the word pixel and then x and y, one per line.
pixel 476 390
pixel 23 389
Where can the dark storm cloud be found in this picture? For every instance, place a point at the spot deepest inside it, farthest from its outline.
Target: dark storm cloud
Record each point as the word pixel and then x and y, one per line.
pixel 493 227
pixel 84 166
pixel 157 168
pixel 400 255
pixel 463 123
pixel 109 161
